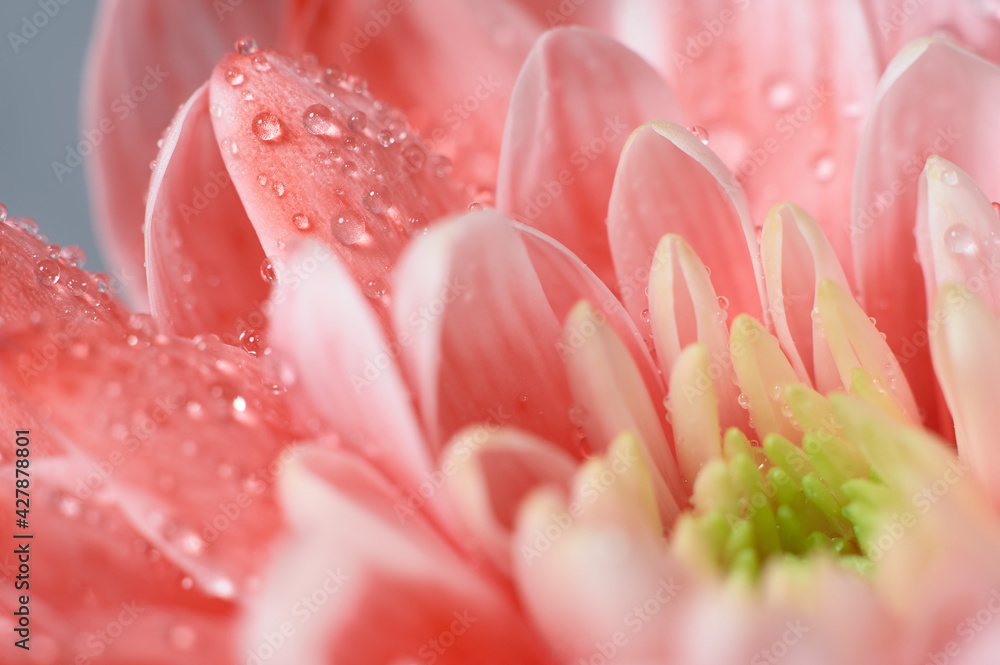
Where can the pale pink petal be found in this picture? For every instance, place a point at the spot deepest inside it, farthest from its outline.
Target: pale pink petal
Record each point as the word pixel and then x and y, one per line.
pixel 668 182
pixel 345 366
pixel 797 256
pixel 562 142
pixel 972 25
pixel 203 260
pixel 904 129
pixel 146 58
pixel 966 351
pixel 684 309
pixel 612 398
pixel 489 472
pixel 762 371
pixel 306 158
pixel 694 412
pixel 390 592
pixel 958 233
pixel 782 90
pixel 476 47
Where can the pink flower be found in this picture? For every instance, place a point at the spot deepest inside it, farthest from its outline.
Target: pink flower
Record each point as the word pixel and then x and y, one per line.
pixel 472 459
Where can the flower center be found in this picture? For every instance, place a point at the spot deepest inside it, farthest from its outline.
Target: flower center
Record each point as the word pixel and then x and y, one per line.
pixel 780 499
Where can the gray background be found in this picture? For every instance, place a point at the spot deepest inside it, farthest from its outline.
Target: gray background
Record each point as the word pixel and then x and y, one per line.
pixel 39 117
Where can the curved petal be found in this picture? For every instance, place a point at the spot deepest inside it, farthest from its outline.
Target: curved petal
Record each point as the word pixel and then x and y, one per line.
pixel 203 260
pixel 668 182
pixel 902 132
pixel 345 366
pixel 694 413
pixel 562 141
pixel 797 257
pixel 762 371
pixel 958 233
pixel 973 25
pixel 305 154
pixel 490 472
pixel 966 350
pixel 147 57
pixel 479 43
pixel 389 593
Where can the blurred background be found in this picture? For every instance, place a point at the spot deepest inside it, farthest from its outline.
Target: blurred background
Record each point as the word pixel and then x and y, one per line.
pixel 40 71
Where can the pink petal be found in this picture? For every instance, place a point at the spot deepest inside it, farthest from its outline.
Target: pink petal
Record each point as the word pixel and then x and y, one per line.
pixel 489 474
pixel 305 158
pixel 797 256
pixel 612 398
pixel 394 46
pixel 669 182
pixel 346 367
pixel 973 25
pixel 902 132
pixel 782 91
pixel 966 351
pixel 562 142
pixel 957 233
pixel 390 592
pixel 203 260
pixel 146 58
pixel 684 309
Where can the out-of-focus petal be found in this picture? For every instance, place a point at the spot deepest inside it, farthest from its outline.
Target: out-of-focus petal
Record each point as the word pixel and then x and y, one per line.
pixel 904 129
pixel 203 260
pixel 668 182
pixel 694 412
pixel 762 371
pixel 973 25
pixel 394 45
pixel 146 58
pixel 562 141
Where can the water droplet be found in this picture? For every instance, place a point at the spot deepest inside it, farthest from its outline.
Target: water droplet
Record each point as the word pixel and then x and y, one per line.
pixel 234 76
pixel 958 239
pixel 475 206
pixel 348 230
pixel 260 63
pixel 267 270
pixel 779 94
pixel 577 415
pixel 187 583
pixel 318 119
pixel 266 126
pixel 230 146
pixel 996 209
pixel 47 271
pixel 376 199
pixel 357 121
pixel 28 224
pixel 723 302
pixel 385 138
pixel 442 165
pixel 73 255
pixel 824 168
pixel 252 341
pixel 240 404
pixel 350 169
pixel 374 290
pixel 279 188
pixel 301 221
pixel 246 45
pixel 3 213
pixel 182 637
pixel 949 177
pixel 261 179
pixel 76 285
pixel 216 110
pixel 700 133
pixel 743 401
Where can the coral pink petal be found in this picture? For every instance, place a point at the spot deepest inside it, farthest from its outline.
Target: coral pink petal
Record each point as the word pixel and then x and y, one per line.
pixel 391 591
pixel 345 366
pixel 489 474
pixel 972 25
pixel 146 58
pixel 562 141
pixel 150 412
pixel 669 182
pixel 796 257
pixel 966 354
pixel 684 309
pixel 782 91
pixel 902 132
pixel 306 155
pixel 72 606
pixel 203 260
pixel 611 398
pixel 958 233
pixel 394 46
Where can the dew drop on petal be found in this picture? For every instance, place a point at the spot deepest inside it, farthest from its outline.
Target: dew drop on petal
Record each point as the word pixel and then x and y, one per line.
pixel 958 239
pixel 261 179
pixel 267 270
pixel 374 290
pixel 376 199
pixel 246 45
pixel 234 76
pixel 76 285
pixel 475 206
pixel 743 401
pixel 779 94
pixel 723 302
pixel 240 403
pixel 357 121
pixel 266 126
pixel 644 315
pixel 279 188
pixel 385 138
pixel 260 63
pixel 318 119
pixel 47 271
pixel 824 168
pixel 252 341
pixel 301 221
pixel 3 213
pixel 700 133
pixel 348 230
pixel 230 146
pixel 73 255
pixel 996 209
pixel 949 177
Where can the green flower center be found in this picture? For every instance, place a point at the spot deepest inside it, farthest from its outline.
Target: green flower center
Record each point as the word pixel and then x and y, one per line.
pixel 781 500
